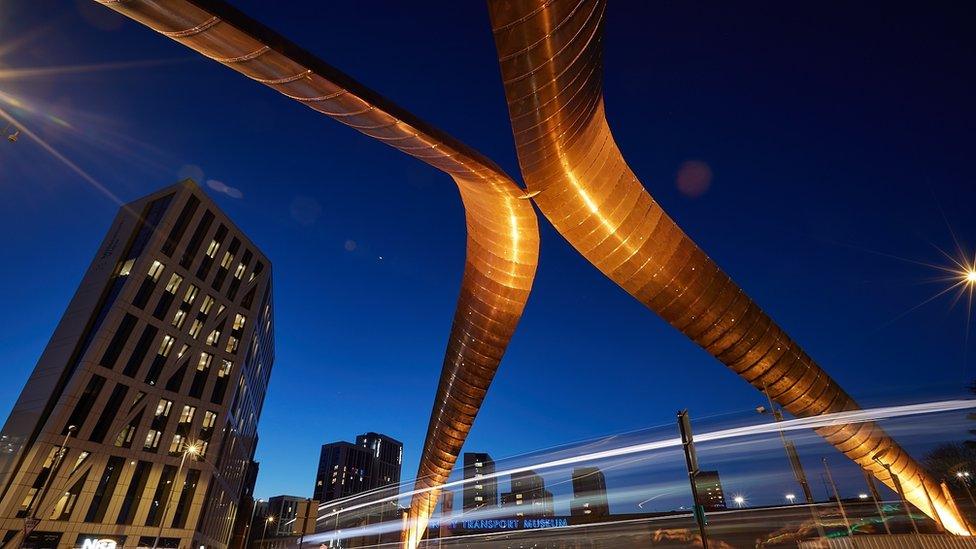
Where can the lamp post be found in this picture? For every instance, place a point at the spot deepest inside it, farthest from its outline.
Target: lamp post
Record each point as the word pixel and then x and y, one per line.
pixel 267 520
pixel 877 500
pixel 31 521
pixel 963 477
pixel 247 529
pixel 739 501
pixel 188 450
pixel 894 480
pixel 791 498
pixel 840 504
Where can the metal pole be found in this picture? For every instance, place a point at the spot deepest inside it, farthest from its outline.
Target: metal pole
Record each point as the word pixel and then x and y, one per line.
pixel 169 496
pixel 840 504
pixel 691 460
pixel 55 466
pixel 935 512
pixel 250 524
pixel 796 465
pixel 873 489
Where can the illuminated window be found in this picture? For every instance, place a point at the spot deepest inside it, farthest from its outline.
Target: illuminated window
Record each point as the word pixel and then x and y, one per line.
pixel 220 309
pixel 152 440
pixel 213 337
pixel 231 344
pixel 174 283
pixel 225 367
pixel 204 363
pixel 176 446
pixel 239 273
pixel 191 294
pixel 155 270
pixel 226 261
pixel 179 318
pixel 212 248
pixel 166 345
pixel 209 419
pixel 207 304
pixel 239 321
pixel 186 416
pixel 183 349
pixel 126 267
pixel 202 448
pixel 196 327
pixel 163 408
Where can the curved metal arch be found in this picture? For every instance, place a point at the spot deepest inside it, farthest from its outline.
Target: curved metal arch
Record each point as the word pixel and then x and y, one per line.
pixel 502 228
pixel 550 53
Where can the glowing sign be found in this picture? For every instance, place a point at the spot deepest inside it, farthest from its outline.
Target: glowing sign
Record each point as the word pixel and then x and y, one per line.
pixel 494 525
pixel 90 543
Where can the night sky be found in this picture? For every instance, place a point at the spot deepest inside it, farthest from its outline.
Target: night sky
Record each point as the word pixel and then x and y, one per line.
pixel 838 136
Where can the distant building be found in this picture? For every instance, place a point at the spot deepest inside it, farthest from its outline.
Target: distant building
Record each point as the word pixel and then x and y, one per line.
pixel 387 458
pixel 346 469
pixel 589 493
pixel 245 509
pixel 283 510
pixel 529 497
pixel 710 492
pixel 166 346
pixel 482 493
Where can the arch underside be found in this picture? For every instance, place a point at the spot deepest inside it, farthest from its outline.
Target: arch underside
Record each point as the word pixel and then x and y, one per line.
pixel 550 53
pixel 502 230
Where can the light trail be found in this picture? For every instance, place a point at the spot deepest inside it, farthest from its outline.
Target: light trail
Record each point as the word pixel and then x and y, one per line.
pixel 815 422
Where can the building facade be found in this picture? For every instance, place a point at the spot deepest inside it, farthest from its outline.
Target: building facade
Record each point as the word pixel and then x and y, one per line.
pixel 710 492
pixel 589 493
pixel 166 345
pixel 479 493
pixel 529 497
pixel 346 469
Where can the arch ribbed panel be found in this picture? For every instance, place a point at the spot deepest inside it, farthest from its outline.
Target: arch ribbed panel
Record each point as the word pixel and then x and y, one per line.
pixel 550 53
pixel 502 229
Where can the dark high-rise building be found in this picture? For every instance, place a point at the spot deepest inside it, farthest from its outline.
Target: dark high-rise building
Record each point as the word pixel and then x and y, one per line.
pixel 479 493
pixel 387 458
pixel 245 509
pixel 346 469
pixel 589 493
pixel 529 497
pixel 710 492
pixel 166 345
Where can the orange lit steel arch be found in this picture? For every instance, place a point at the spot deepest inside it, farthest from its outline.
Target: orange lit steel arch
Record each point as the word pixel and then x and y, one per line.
pixel 550 53
pixel 502 229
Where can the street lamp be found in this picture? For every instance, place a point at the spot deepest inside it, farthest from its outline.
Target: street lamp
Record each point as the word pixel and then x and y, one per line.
pixel 188 450
pixel 862 496
pixel 267 520
pixel 739 501
pixel 790 498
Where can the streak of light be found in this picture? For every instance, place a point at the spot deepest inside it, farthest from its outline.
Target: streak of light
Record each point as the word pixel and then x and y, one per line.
pixel 63 159
pixel 63 70
pixel 815 422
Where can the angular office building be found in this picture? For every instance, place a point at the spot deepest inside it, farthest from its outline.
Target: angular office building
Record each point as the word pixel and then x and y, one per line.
pixel 163 353
pixel 589 493
pixel 479 493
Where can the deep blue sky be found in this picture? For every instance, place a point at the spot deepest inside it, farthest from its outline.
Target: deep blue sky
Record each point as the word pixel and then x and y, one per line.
pixel 832 130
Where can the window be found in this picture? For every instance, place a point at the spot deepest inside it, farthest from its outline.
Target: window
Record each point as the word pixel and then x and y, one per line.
pixel 195 328
pixel 213 337
pixel 239 321
pixel 166 345
pixel 207 304
pixel 209 420
pixel 155 270
pixel 202 448
pixel 239 272
pixel 152 440
pixel 191 294
pixel 126 267
pixel 212 248
pixel 205 359
pixel 186 416
pixel 176 446
pixel 183 349
pixel 225 368
pixel 163 408
pixel 174 283
pixel 231 344
pixel 179 318
pixel 227 260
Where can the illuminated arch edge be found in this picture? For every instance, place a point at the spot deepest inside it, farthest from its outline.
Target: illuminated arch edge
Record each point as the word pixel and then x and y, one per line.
pixel 502 229
pixel 550 53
